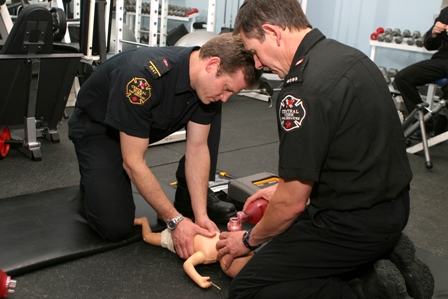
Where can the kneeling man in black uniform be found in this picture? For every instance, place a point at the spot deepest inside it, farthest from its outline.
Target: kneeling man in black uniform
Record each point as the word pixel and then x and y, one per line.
pixel 139 97
pixel 342 149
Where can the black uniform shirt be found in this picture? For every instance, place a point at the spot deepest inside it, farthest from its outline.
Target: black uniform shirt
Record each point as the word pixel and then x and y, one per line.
pixel 338 127
pixel 145 93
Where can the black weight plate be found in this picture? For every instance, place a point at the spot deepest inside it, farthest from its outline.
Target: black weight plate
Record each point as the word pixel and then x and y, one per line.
pixel 266 86
pixel 59 23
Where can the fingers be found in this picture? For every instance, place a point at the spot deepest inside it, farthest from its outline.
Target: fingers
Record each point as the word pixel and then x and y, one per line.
pixel 222 249
pixel 210 232
pixel 223 236
pixel 183 238
pixel 184 249
pixel 208 225
pixel 212 228
pixel 226 262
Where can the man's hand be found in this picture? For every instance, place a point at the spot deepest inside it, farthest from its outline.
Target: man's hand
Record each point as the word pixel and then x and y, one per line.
pixel 183 237
pixel 230 246
pixel 265 193
pixel 438 28
pixel 209 225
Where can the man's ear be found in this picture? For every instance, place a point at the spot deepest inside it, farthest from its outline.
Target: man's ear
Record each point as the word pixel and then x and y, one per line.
pixel 213 63
pixel 272 32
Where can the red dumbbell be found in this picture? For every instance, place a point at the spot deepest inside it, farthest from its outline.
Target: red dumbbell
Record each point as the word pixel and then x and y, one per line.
pixel 7 285
pixel 194 10
pixel 374 36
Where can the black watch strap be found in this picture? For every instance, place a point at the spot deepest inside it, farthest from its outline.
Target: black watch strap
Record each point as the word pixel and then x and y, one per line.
pixel 246 237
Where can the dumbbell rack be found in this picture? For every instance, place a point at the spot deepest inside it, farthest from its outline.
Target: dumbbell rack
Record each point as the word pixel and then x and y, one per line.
pixel 157 23
pixel 402 47
pixel 138 16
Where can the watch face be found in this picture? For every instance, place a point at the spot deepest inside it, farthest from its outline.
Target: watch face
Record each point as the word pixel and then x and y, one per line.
pixel 171 224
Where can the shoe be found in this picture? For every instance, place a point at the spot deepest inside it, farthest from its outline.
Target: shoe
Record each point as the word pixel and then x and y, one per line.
pixel 417 275
pixel 217 210
pixel 382 281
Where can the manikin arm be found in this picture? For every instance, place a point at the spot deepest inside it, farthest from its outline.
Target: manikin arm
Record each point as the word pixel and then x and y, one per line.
pixel 205 253
pixel 148 236
pixel 189 266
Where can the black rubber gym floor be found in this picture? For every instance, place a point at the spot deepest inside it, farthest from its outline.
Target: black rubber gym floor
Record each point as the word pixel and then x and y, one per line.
pixel 248 146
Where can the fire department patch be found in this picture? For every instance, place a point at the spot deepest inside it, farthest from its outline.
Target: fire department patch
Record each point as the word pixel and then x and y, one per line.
pixel 292 113
pixel 138 91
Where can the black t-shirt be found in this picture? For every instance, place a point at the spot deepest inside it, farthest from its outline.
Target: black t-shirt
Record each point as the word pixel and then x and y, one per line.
pixel 338 127
pixel 145 93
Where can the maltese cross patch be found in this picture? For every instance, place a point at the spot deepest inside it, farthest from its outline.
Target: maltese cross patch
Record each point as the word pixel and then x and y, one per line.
pixel 138 91
pixel 292 113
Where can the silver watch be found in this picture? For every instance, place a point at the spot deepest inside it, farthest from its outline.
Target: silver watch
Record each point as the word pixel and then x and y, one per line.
pixel 171 224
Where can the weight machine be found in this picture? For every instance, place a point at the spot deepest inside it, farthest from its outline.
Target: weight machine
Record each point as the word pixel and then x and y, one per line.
pixel 36 86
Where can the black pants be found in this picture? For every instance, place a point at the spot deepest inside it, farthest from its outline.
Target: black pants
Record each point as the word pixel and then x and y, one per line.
pixel 104 184
pixel 321 252
pixel 427 71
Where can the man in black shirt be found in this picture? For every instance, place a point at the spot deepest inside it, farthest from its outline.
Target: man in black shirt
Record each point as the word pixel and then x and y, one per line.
pixel 410 78
pixel 342 199
pixel 139 97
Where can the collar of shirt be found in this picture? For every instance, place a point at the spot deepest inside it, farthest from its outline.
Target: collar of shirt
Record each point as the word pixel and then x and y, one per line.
pixel 183 76
pixel 300 58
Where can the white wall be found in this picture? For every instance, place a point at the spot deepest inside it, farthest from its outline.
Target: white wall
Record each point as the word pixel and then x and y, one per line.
pixel 352 21
pixel 349 21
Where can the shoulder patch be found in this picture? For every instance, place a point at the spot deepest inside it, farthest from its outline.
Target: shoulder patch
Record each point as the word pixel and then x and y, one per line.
pixel 158 67
pixel 296 73
pixel 292 113
pixel 138 90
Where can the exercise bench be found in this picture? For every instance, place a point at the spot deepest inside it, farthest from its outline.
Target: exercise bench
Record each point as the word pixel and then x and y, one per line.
pixel 34 83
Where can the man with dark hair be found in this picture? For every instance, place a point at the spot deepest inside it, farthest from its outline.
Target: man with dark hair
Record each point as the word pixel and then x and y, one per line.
pixel 342 200
pixel 139 97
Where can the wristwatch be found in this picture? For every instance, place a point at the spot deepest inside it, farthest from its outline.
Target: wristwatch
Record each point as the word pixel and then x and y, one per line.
pixel 246 237
pixel 171 224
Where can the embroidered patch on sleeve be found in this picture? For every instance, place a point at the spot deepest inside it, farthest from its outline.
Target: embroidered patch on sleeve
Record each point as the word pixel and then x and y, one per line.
pixel 292 113
pixel 158 67
pixel 138 91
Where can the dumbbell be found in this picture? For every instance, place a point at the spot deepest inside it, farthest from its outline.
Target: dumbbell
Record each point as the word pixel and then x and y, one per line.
pixel 5 143
pixel 416 34
pixel 419 42
pixel 374 36
pixel 392 72
pixel 406 33
pixel 385 75
pixel 7 285
pixel 396 32
pixel 388 38
pixel 394 35
pixel 191 11
pixel 398 39
pixel 412 39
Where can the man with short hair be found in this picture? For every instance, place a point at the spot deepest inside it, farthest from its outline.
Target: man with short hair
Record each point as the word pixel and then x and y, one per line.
pixel 342 149
pixel 139 97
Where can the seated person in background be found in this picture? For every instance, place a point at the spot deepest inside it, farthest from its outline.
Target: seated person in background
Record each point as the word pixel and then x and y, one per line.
pixel 427 71
pixel 204 252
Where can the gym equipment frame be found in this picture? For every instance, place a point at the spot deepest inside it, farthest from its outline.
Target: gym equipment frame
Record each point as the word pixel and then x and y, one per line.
pixel 410 127
pixel 34 83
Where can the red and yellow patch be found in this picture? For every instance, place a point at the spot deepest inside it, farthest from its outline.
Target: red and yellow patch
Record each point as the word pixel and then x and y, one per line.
pixel 138 91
